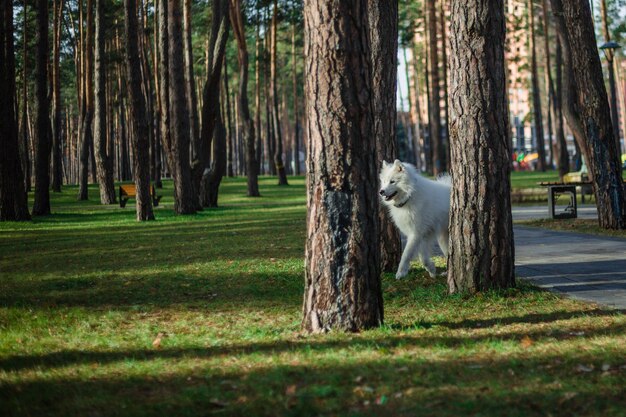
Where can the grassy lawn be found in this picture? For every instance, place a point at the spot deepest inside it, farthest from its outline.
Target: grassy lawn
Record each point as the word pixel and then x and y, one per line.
pixel 574 225
pixel 200 315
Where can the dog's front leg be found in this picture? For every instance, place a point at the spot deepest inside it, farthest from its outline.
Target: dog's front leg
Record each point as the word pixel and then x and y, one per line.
pixel 407 256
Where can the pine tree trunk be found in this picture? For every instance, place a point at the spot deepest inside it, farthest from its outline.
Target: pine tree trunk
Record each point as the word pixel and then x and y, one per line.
pixel 229 140
pixel 211 96
pixel 538 118
pixel 184 197
pixel 192 99
pixel 278 151
pixel 342 278
pixel 218 166
pixel 603 158
pixel 438 154
pixel 43 141
pixel 561 144
pixel 104 161
pixel 13 198
pixel 383 23
pixel 481 230
pixel 553 123
pixel 611 70
pixel 86 132
pixel 25 154
pixel 139 124
pixel 444 58
pixel 252 165
pixel 296 116
pixel 57 169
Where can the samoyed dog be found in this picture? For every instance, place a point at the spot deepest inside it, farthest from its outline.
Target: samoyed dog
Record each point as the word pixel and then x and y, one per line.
pixel 420 208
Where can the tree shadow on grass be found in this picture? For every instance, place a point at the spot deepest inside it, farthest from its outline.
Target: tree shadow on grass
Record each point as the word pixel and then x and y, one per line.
pixel 544 384
pixel 312 345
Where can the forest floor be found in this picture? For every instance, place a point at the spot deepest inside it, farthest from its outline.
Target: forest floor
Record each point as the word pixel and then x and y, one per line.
pixel 200 315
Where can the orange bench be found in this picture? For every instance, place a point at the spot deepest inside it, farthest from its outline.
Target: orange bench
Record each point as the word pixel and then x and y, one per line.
pixel 127 191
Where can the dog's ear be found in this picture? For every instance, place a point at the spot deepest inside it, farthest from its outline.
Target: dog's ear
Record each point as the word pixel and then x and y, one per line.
pixel 398 165
pixel 385 164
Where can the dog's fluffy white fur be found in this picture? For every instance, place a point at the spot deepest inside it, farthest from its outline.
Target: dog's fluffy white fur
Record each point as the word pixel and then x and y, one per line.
pixel 420 208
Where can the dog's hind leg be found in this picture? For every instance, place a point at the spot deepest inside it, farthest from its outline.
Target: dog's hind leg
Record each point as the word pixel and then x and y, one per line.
pixel 407 256
pixel 424 254
pixel 444 239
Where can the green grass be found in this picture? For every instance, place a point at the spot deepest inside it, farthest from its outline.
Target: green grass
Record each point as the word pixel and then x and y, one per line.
pixel 85 293
pixel 574 225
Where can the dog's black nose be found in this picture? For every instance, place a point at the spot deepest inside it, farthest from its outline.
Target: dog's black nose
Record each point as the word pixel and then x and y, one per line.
pixel 381 192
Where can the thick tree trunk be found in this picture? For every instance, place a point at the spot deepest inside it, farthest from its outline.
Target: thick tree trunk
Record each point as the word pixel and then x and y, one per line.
pixel 139 124
pixel 25 154
pixel 438 153
pixel 481 230
pixel 278 151
pixel 611 70
pixel 342 282
pixel 13 199
pixel 218 166
pixel 104 161
pixel 86 132
pixel 211 95
pixel 603 158
pixel 383 23
pixel 185 201
pixel 57 169
pixel 44 142
pixel 537 115
pixel 252 165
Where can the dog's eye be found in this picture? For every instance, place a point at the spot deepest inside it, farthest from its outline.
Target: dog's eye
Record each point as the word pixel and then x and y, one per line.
pixel 392 182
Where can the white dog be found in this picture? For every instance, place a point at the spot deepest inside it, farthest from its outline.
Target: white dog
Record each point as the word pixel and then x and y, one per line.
pixel 420 208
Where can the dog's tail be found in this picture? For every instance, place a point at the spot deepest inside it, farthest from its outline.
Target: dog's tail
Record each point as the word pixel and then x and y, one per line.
pixel 445 179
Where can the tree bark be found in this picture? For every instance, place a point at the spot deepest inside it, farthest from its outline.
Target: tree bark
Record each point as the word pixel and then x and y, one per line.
pixel 538 118
pixel 611 70
pixel 104 161
pixel 481 230
pixel 603 158
pixel 25 154
pixel 561 144
pixel 278 151
pixel 13 198
pixel 229 140
pixel 296 116
pixel 139 124
pixel 57 169
pixel 44 144
pixel 190 87
pixel 438 154
pixel 86 132
pixel 211 96
pixel 218 165
pixel 342 278
pixel 444 57
pixel 252 165
pixel 383 23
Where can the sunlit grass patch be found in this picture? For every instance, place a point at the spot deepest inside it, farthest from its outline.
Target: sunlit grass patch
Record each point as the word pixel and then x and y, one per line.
pixel 200 315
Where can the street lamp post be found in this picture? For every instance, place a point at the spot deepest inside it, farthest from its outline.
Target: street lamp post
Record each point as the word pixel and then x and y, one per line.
pixel 609 51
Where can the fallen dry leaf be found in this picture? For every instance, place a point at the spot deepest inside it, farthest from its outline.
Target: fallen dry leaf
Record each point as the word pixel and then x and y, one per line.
pixel 156 343
pixel 526 342
pixel 291 390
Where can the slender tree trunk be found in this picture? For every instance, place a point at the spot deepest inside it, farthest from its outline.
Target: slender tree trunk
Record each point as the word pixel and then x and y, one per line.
pixel 87 106
pixel 192 99
pixel 342 278
pixel 553 144
pixel 257 93
pixel 25 154
pixel 44 144
pixel 278 151
pixel 538 118
pixel 230 139
pixel 13 198
pixel 611 70
pixel 383 24
pixel 139 124
pixel 481 252
pixel 561 144
pixel 184 197
pixel 57 170
pixel 252 165
pixel 164 84
pixel 211 98
pixel 296 116
pixel 218 166
pixel 438 154
pixel 603 158
pixel 104 161
pixel 444 57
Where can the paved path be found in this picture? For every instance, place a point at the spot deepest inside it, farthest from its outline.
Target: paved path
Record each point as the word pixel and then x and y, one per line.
pixel 584 267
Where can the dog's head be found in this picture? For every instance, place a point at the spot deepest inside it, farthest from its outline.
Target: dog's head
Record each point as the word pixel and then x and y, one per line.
pixel 392 180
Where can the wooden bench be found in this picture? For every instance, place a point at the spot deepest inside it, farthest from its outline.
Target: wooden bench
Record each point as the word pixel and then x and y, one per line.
pixel 127 191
